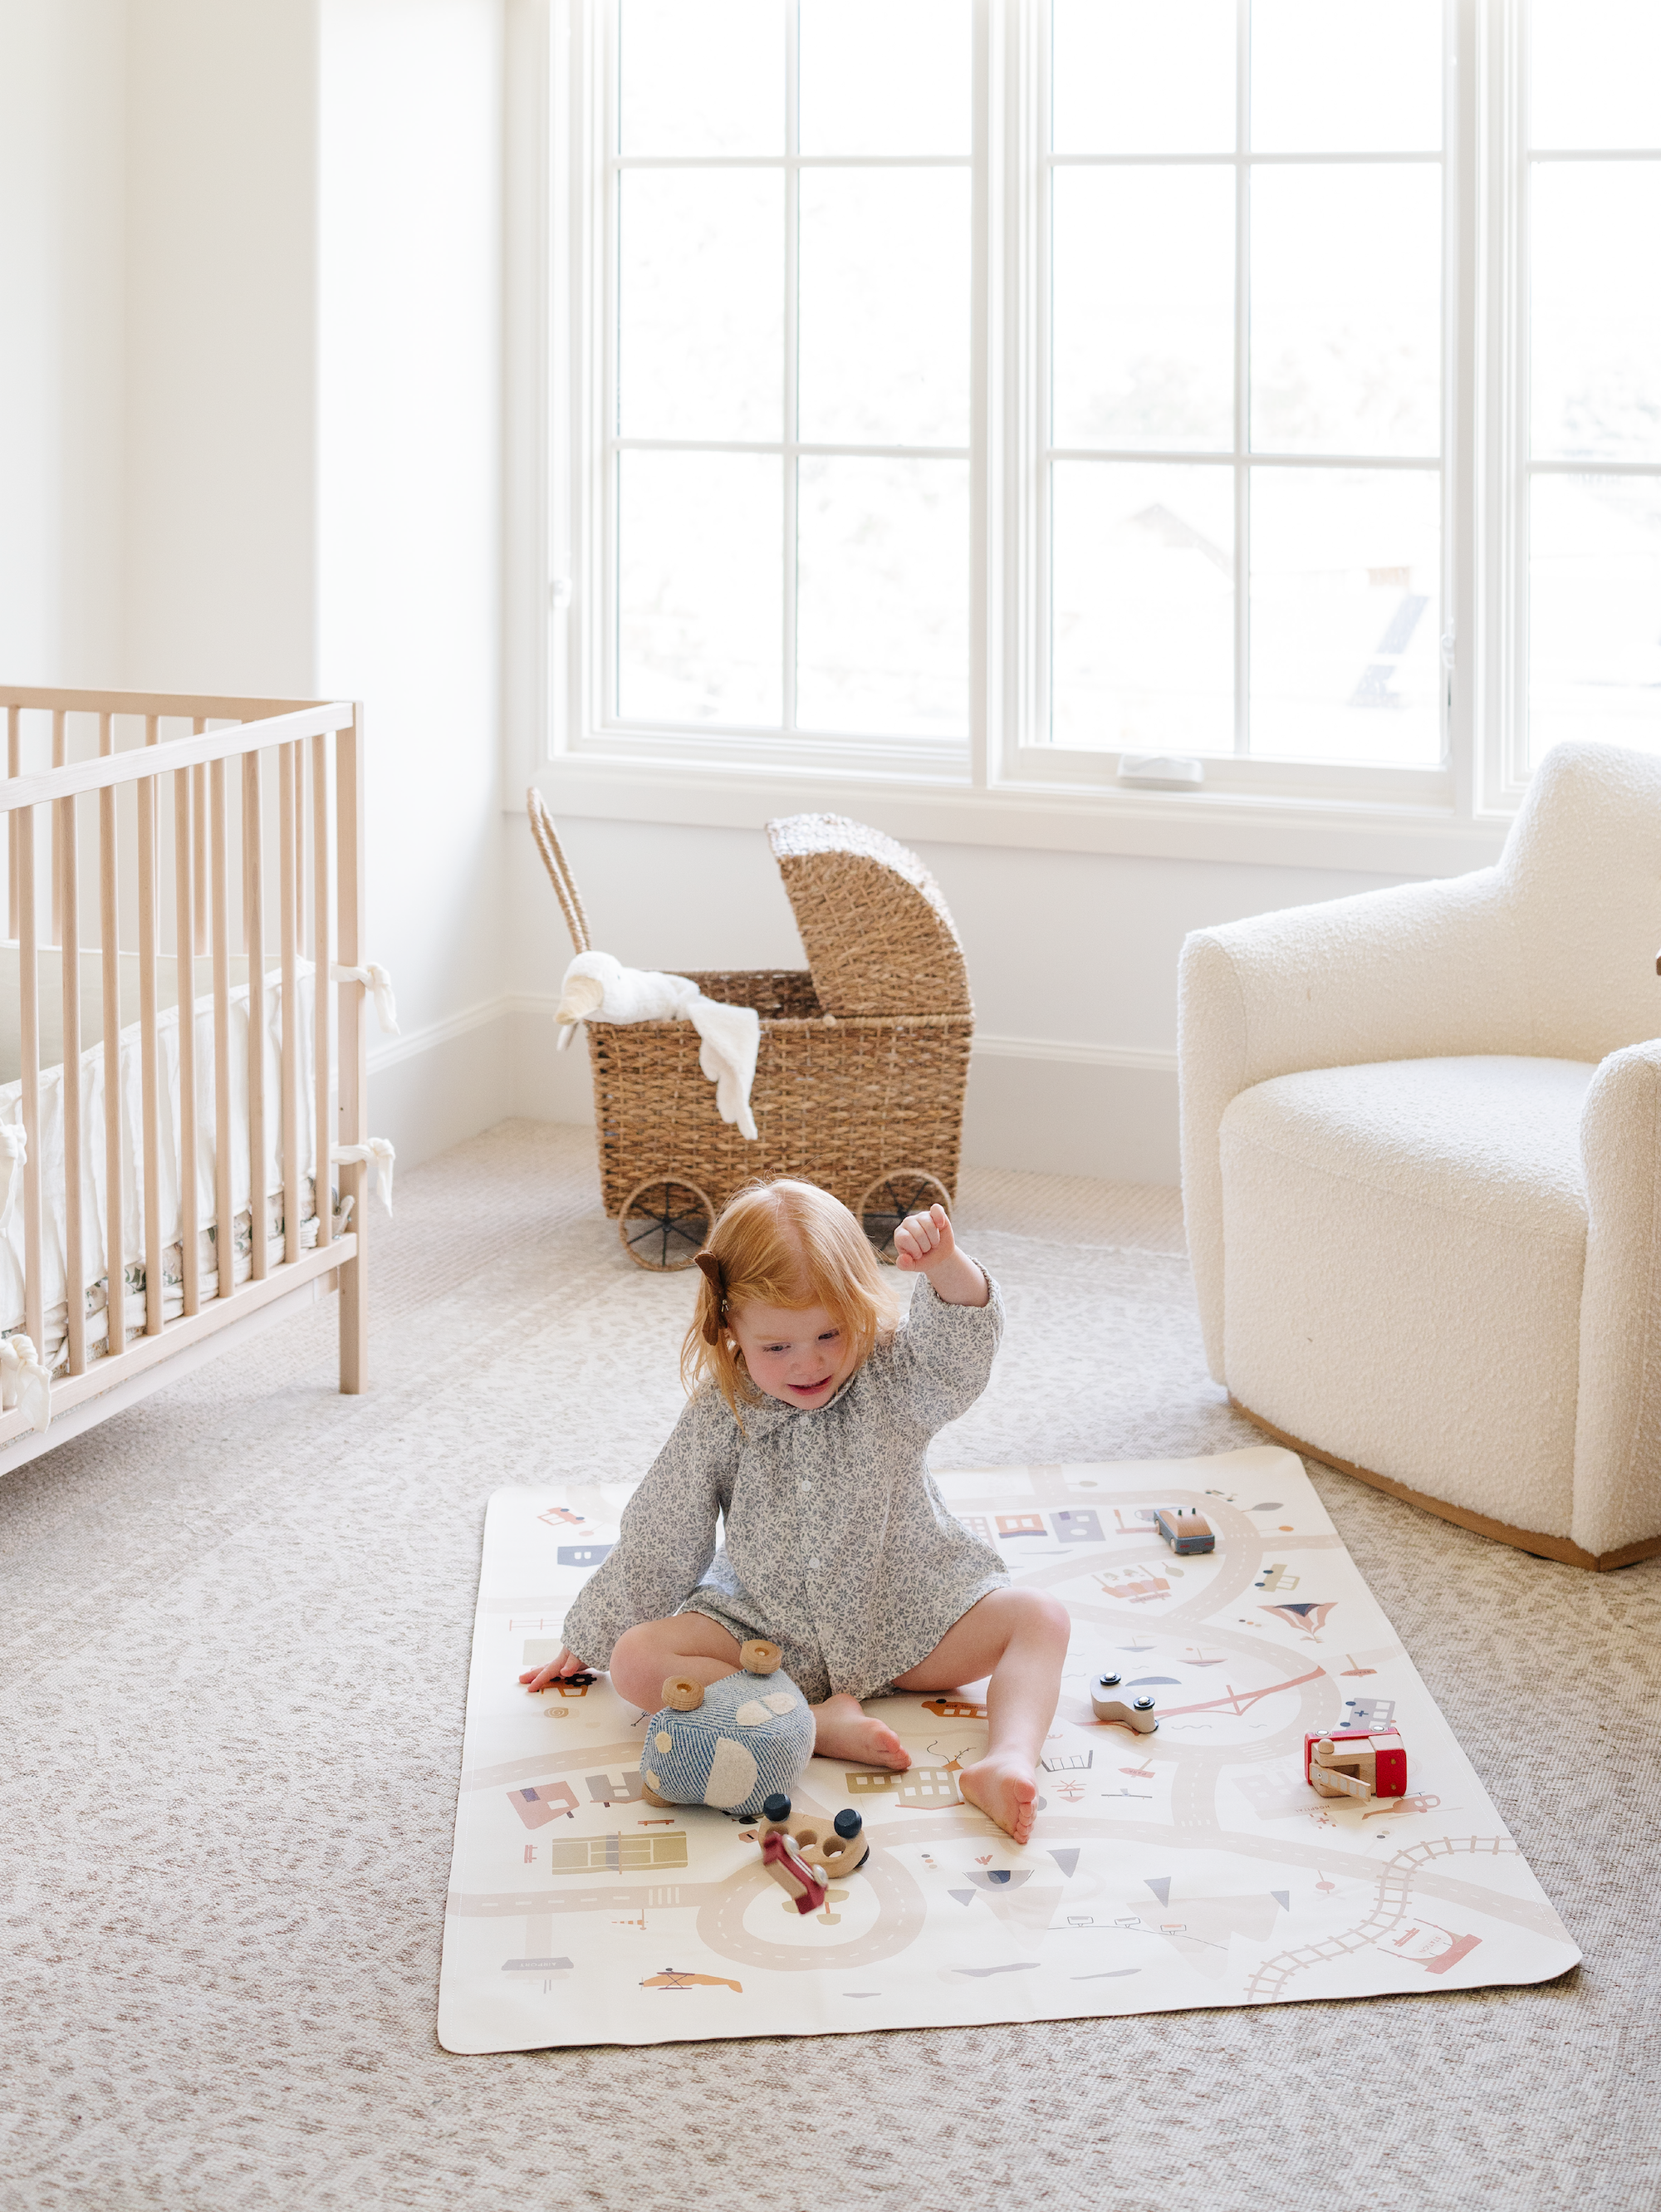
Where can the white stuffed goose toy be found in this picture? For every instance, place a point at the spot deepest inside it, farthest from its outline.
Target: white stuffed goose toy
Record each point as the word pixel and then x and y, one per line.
pixel 599 988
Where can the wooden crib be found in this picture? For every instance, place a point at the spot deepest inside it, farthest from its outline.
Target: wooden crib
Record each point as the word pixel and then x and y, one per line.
pixel 185 878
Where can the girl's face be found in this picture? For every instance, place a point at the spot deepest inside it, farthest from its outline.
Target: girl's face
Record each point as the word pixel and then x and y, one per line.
pixel 796 1354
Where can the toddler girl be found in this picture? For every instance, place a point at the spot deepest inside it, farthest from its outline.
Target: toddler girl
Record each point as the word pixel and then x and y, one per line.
pixel 809 1417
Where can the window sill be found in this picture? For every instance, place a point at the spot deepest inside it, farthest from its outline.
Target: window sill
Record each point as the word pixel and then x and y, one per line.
pixel 1367 836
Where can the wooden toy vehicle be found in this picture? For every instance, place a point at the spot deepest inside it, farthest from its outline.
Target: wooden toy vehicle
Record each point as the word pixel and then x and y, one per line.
pixel 862 1065
pixel 1355 1762
pixel 1185 1531
pixel 804 1856
pixel 1137 1715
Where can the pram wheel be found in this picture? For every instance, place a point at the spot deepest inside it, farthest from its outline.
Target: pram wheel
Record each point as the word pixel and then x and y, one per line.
pixel 664 1223
pixel 890 1198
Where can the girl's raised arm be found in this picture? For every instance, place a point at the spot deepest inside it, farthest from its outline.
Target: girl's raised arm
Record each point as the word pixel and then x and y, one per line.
pixel 667 1537
pixel 941 1360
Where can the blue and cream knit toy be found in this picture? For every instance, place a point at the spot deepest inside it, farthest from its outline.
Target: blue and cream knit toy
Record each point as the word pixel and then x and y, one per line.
pixel 731 1744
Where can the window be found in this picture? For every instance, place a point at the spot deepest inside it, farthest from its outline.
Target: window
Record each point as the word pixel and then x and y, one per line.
pixel 1243 294
pixel 789 456
pixel 991 390
pixel 1592 432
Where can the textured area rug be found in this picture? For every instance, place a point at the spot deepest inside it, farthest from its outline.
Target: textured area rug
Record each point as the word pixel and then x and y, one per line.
pixel 1191 1866
pixel 234 1629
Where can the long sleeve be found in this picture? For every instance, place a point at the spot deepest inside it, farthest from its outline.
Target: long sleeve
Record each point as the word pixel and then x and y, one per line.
pixel 667 1537
pixel 938 1364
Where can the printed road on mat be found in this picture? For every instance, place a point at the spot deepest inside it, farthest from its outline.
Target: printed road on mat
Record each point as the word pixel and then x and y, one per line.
pixel 1192 1867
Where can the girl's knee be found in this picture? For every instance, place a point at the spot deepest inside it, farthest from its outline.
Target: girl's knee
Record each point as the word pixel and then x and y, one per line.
pixel 1039 1615
pixel 640 1659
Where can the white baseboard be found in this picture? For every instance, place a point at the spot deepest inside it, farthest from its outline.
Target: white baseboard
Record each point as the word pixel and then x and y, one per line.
pixel 1148 1060
pixel 389 1051
pixel 1052 1105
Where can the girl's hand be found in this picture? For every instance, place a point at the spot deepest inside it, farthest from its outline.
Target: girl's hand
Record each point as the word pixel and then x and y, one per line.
pixel 923 1242
pixel 557 1670
pixel 924 1245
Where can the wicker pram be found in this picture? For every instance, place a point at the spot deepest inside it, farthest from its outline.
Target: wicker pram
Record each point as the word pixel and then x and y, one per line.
pixel 863 1064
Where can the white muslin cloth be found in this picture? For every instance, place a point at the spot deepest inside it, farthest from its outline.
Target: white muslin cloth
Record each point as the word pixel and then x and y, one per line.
pixel 24 1382
pixel 730 1036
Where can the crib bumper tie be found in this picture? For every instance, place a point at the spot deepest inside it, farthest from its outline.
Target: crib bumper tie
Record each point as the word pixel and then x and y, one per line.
pixel 376 1154
pixel 24 1382
pixel 376 980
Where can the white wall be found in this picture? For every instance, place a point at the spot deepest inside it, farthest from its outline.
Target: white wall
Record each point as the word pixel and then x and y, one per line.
pixel 221 509
pixel 61 154
pixel 1072 957
pixel 409 477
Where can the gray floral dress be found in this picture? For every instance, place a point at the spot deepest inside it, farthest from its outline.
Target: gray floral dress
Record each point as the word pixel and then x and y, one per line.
pixel 837 1545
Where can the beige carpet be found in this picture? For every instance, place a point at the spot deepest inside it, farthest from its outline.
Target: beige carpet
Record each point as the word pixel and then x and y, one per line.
pixel 234 1627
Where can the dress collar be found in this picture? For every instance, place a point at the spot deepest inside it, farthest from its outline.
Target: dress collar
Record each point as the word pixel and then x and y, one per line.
pixel 774 1413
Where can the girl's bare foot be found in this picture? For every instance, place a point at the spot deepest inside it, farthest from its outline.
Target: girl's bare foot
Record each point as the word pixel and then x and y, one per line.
pixel 1006 1790
pixel 846 1731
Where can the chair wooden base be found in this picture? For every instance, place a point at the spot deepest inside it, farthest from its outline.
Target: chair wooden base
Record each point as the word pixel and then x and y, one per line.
pixel 1525 1540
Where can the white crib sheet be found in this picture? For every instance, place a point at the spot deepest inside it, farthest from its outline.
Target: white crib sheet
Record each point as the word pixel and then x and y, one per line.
pixel 93 1180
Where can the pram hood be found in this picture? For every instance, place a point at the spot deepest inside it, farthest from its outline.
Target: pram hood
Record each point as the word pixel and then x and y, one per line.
pixel 878 935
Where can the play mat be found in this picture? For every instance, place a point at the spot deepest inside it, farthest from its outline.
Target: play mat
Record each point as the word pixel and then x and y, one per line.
pixel 1192 1867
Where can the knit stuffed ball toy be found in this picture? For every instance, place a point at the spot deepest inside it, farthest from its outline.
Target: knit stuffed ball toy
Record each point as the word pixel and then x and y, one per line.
pixel 732 1744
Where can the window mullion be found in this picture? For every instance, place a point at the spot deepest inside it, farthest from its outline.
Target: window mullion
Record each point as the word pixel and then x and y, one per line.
pixel 1499 181
pixel 1462 688
pixel 1033 177
pixel 790 461
pixel 604 359
pixel 1242 373
pixel 985 510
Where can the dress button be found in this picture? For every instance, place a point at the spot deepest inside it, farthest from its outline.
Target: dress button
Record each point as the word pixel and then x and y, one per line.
pixel 806 1486
pixel 813 1564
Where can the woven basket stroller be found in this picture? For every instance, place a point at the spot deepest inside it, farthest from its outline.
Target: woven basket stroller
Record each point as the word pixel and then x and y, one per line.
pixel 863 1064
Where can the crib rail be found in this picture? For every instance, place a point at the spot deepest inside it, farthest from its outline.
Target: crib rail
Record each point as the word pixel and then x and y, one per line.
pixel 173 861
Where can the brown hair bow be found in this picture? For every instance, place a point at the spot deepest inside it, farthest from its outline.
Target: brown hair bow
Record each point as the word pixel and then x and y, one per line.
pixel 712 1269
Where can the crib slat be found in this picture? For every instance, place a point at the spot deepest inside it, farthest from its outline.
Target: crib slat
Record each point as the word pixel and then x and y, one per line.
pixel 199 810
pixel 353 1064
pixel 321 935
pixel 30 1008
pixel 185 830
pixel 14 767
pixel 150 1055
pixel 253 930
pixel 306 888
pixel 218 902
pixel 289 831
pixel 74 1271
pixel 59 755
pixel 115 1270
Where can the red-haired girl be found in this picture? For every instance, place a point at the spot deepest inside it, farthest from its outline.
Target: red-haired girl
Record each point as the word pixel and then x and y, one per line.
pixel 809 1412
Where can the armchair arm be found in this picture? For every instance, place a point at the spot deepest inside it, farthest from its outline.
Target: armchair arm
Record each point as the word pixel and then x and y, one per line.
pixel 1407 973
pixel 1617 1431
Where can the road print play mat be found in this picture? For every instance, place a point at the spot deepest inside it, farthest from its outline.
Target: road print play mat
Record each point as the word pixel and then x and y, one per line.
pixel 1193 1867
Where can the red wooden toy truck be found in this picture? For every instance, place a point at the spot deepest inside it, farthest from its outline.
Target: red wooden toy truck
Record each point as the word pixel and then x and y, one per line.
pixel 1355 1762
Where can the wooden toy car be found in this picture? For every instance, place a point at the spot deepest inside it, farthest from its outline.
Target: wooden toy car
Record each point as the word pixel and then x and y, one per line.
pixel 803 1856
pixel 1355 1762
pixel 1137 1715
pixel 1185 1531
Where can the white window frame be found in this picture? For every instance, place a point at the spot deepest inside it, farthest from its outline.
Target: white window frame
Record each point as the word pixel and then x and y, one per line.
pixel 1004 787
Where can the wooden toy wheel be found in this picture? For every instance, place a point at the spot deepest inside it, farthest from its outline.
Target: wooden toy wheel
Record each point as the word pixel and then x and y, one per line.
pixel 664 1223
pixel 890 1198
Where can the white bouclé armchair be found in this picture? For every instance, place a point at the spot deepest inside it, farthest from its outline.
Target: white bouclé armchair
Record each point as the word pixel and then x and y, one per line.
pixel 1421 1172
